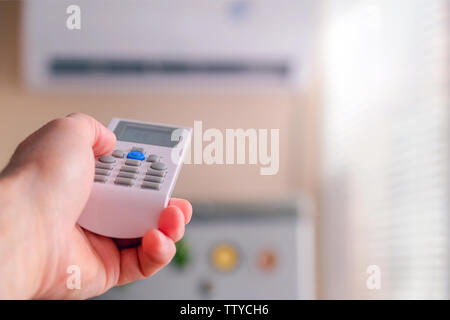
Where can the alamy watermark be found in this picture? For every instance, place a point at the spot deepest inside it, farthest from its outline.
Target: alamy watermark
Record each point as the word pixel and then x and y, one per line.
pixel 235 146
pixel 373 281
pixel 73 281
pixel 73 21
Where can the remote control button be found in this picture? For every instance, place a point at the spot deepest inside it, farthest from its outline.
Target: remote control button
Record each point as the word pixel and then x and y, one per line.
pixel 132 162
pixel 128 175
pixel 124 181
pixel 129 169
pixel 137 149
pixel 158 173
pixel 152 158
pixel 136 155
pixel 107 159
pixel 150 185
pixel 118 154
pixel 158 166
pixel 150 178
pixel 99 178
pixel 102 172
pixel 106 166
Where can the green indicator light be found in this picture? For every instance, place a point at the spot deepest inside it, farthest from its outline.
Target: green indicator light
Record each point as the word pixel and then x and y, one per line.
pixel 183 254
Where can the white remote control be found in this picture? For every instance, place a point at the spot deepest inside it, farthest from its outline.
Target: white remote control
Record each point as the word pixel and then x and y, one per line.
pixel 134 183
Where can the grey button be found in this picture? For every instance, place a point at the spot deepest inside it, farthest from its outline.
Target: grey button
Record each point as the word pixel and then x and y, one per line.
pixel 124 181
pixel 158 173
pixel 137 149
pixel 98 178
pixel 102 172
pixel 129 169
pixel 118 154
pixel 127 175
pixel 150 178
pixel 150 185
pixel 152 158
pixel 158 166
pixel 106 166
pixel 107 159
pixel 133 162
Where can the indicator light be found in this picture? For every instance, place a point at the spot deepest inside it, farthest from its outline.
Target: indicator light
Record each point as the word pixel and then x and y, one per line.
pixel 224 257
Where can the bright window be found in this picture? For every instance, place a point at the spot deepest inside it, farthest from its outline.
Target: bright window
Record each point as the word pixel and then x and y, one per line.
pixel 386 148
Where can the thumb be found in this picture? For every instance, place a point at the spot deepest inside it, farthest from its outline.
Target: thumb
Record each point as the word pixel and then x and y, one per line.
pixel 60 136
pixel 102 139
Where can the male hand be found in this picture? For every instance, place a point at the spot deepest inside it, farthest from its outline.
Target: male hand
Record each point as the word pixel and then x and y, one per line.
pixel 43 191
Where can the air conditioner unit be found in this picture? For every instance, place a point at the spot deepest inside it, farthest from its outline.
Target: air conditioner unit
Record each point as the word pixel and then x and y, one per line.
pixel 154 43
pixel 237 251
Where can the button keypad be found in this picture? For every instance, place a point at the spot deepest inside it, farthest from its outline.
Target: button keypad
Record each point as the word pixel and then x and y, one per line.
pixel 151 185
pixel 158 166
pixel 136 155
pixel 99 178
pixel 124 181
pixel 158 173
pixel 150 178
pixel 102 172
pixel 107 159
pixel 128 175
pixel 106 166
pixel 132 162
pixel 118 154
pixel 152 158
pixel 131 168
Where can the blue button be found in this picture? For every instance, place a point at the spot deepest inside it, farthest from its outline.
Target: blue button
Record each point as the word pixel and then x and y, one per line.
pixel 136 155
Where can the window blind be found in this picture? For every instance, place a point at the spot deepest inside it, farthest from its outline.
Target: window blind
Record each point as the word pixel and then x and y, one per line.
pixel 386 148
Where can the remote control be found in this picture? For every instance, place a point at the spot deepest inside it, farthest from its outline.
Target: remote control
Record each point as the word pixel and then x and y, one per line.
pixel 134 183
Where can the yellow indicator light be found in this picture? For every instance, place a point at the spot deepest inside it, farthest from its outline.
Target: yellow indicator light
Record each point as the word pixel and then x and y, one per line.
pixel 224 257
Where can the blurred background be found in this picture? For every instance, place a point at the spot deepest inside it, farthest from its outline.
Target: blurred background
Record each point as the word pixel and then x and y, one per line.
pixel 360 91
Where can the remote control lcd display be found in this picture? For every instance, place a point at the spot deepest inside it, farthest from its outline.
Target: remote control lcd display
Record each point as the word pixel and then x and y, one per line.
pixel 146 134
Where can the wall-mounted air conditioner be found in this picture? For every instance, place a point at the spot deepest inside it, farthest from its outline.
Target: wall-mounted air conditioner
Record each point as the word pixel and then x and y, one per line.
pixel 146 43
